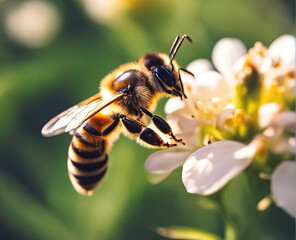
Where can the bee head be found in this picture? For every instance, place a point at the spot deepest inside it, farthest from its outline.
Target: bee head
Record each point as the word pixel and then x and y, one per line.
pixel 165 71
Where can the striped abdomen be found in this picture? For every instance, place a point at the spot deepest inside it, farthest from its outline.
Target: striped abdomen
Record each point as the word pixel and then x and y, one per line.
pixel 87 157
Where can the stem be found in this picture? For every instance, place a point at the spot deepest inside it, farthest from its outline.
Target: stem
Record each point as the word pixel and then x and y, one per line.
pixel 237 203
pixel 230 231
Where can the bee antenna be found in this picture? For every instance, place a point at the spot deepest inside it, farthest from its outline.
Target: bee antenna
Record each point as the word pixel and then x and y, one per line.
pixel 176 45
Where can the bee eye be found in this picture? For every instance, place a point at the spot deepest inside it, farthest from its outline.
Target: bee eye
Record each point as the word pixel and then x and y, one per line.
pixel 152 61
pixel 126 81
pixel 164 75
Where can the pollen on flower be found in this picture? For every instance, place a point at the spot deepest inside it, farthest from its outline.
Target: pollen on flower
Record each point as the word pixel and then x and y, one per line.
pixel 228 122
pixel 257 55
pixel 274 90
pixel 264 204
pixel 282 89
pixel 216 102
pixel 200 105
pixel 203 110
pixel 258 147
pixel 247 71
pixel 291 74
pixel 277 63
pixel 264 176
pixel 291 141
pixel 207 113
pixel 259 49
pixel 262 147
pixel 239 116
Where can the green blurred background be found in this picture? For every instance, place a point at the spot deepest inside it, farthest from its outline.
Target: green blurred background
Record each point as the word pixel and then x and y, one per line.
pixel 37 200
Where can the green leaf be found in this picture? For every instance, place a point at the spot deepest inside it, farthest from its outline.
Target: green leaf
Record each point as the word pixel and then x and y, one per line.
pixel 181 232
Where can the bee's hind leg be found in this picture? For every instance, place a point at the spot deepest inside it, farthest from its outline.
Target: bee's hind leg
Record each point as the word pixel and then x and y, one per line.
pixel 152 138
pixel 161 124
pixel 146 135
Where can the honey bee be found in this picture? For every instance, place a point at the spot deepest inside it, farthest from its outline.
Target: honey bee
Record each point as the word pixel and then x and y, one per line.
pixel 126 95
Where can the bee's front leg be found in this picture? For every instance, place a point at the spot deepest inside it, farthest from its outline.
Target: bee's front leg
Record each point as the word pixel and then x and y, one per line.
pixel 161 124
pixel 145 135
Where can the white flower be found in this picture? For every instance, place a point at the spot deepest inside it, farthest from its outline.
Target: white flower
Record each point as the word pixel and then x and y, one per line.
pixel 283 186
pixel 32 23
pixel 211 108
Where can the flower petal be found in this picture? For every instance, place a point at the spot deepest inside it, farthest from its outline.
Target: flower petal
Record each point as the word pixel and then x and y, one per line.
pixel 267 112
pixel 165 161
pixel 223 116
pixel 181 124
pixel 186 129
pixel 226 52
pixel 198 66
pixel 157 178
pixel 278 142
pixel 286 120
pixel 209 168
pixel 209 85
pixel 257 146
pixel 283 145
pixel 283 48
pixel 283 186
pixel 174 106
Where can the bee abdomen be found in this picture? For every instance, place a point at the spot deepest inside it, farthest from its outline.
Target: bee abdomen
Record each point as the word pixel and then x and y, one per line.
pixel 86 176
pixel 89 154
pixel 89 167
pixel 89 182
pixel 87 161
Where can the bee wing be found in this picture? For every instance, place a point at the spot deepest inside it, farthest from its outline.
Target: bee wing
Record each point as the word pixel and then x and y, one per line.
pixel 73 117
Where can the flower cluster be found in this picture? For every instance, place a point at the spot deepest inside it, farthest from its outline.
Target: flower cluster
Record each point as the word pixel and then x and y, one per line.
pixel 240 116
